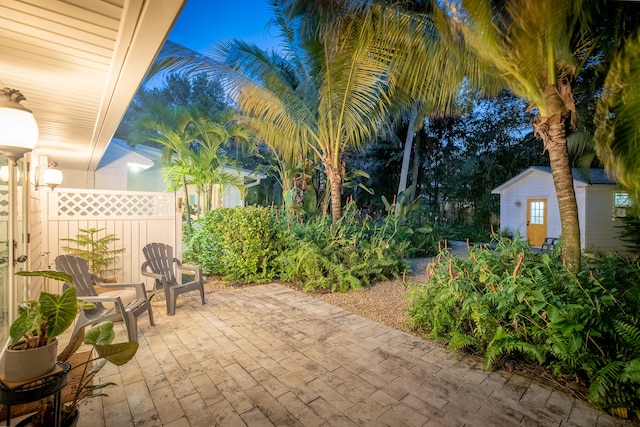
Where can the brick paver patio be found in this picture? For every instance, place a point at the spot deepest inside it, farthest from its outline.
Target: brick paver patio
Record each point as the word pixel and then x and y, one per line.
pixel 269 355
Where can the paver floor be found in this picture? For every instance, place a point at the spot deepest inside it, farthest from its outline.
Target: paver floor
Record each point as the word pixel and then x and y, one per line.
pixel 269 355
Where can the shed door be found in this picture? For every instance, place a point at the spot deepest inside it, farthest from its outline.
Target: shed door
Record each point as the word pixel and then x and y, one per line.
pixel 536 221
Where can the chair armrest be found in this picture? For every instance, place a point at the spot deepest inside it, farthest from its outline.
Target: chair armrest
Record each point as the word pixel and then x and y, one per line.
pixel 197 271
pixel 139 287
pixel 101 299
pixel 144 269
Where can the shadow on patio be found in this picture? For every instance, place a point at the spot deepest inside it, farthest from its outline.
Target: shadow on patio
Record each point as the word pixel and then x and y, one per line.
pixel 270 355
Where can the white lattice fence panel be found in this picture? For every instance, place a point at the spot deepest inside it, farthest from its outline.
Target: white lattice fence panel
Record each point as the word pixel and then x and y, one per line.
pixel 83 204
pixel 4 201
pixel 135 218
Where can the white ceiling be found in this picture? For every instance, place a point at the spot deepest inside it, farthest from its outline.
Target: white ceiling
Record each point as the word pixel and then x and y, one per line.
pixel 79 64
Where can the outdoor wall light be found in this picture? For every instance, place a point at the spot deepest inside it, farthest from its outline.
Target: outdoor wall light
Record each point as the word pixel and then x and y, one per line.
pixel 18 127
pixel 4 174
pixel 52 176
pixel 518 203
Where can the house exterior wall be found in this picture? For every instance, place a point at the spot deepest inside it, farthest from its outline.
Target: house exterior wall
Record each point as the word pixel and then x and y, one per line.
pixel 232 197
pixel 603 229
pixel 513 203
pixel 147 180
pixel 110 177
pixel 598 230
pixel 581 197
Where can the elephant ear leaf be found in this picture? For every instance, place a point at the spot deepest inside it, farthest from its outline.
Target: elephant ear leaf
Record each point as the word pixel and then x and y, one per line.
pixel 119 353
pixel 58 310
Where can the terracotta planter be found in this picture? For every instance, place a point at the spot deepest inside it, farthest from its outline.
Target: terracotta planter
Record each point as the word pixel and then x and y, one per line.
pixel 25 365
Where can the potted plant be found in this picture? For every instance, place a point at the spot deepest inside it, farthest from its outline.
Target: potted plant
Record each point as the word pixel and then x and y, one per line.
pixel 102 259
pixel 33 349
pixel 100 337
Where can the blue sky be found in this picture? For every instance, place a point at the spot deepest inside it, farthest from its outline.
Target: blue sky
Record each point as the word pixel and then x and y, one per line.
pixel 202 23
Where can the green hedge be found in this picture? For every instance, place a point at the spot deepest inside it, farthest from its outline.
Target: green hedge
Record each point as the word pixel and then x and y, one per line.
pixel 239 244
pixel 250 245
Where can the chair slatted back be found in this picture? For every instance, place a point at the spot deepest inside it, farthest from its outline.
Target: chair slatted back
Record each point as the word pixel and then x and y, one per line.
pixel 77 268
pixel 160 259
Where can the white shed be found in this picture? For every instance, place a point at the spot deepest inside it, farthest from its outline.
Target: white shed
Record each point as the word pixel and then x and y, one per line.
pixel 528 205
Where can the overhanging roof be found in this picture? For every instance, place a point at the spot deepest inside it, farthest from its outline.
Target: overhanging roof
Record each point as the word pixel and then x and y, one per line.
pixel 596 177
pixel 79 64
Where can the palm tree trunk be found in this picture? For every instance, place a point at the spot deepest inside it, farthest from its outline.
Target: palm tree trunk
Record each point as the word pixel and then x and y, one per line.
pixel 563 182
pixel 408 145
pixel 208 196
pixel 335 183
pixel 187 206
pixel 416 168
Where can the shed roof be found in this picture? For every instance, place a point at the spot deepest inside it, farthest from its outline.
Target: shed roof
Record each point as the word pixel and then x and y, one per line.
pixel 596 177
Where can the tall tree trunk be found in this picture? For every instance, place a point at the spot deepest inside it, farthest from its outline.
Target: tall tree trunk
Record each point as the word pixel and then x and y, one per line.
pixel 408 145
pixel 335 183
pixel 208 196
pixel 187 206
pixel 553 132
pixel 416 168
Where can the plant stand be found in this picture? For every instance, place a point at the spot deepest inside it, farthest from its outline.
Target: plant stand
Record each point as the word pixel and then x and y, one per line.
pixel 37 389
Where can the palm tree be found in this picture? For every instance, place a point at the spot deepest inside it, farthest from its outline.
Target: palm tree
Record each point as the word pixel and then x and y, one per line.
pixel 172 129
pixel 336 84
pixel 207 158
pixel 536 49
pixel 617 134
pixel 192 148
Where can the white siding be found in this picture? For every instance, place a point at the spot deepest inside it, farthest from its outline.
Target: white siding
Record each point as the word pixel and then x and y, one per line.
pixel 598 230
pixel 513 203
pixel 602 229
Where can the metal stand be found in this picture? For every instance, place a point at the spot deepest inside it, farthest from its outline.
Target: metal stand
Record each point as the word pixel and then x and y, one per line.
pixel 36 390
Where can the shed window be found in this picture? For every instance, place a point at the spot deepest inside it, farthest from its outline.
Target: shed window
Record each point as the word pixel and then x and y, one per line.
pixel 621 199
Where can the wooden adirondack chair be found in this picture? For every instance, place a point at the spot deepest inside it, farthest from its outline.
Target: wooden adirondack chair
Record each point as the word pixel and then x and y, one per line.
pixel 164 268
pixel 116 309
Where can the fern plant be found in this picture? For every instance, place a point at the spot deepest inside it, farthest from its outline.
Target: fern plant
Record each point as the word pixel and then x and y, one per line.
pixel 510 302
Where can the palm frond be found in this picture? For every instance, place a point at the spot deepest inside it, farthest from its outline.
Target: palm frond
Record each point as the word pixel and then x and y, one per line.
pixel 618 127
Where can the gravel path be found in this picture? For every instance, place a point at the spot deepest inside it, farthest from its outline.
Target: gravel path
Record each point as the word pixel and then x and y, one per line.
pixel 384 302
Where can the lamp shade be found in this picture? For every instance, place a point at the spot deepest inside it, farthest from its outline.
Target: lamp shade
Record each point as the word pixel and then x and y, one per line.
pixel 18 127
pixel 4 174
pixel 52 175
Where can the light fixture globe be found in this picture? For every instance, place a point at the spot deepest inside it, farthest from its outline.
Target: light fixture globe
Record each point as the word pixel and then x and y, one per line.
pixel 18 127
pixel 52 175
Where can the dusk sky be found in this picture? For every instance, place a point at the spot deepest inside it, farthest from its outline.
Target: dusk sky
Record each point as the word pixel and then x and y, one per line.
pixel 205 22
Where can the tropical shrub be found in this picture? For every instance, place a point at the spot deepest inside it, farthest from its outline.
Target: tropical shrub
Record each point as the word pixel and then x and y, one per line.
pixel 513 304
pixel 239 244
pixel 354 252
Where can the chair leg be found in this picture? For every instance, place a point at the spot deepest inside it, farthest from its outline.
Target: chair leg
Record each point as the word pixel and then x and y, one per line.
pixel 150 314
pixel 171 302
pixel 131 325
pixel 202 294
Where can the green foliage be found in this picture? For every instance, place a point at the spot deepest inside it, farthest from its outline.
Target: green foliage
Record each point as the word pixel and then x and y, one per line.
pixel 39 321
pixel 512 304
pixel 413 227
pixel 240 244
pixel 101 258
pixel 350 254
pixel 259 244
